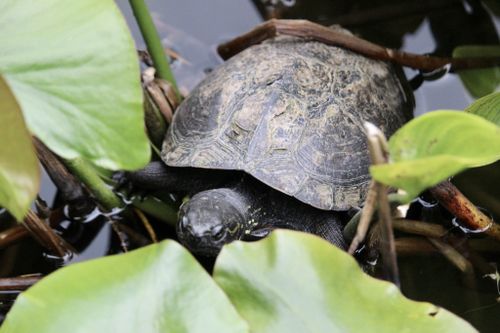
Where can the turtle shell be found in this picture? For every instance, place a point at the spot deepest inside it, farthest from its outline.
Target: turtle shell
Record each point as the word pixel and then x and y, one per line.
pixel 290 112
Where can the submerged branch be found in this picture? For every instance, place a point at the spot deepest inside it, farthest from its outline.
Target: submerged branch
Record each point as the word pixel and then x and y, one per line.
pixel 12 235
pixel 45 236
pixel 366 216
pixel 19 283
pixel 307 29
pixel 419 228
pixel 377 146
pixel 465 211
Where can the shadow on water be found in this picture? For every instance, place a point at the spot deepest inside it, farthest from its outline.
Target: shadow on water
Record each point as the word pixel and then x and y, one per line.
pixel 193 28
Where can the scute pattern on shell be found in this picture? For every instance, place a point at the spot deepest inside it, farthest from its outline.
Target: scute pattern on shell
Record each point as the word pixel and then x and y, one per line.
pixel 290 112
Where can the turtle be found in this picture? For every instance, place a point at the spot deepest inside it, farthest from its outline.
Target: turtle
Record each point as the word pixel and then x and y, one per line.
pixel 274 138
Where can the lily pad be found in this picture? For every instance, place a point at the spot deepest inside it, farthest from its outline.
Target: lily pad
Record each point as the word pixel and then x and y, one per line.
pixel 479 82
pixel 435 146
pixel 72 67
pixel 19 174
pixel 159 288
pixel 487 107
pixel 296 282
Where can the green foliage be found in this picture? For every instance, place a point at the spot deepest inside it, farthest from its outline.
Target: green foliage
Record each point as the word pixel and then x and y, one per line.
pixel 72 67
pixel 289 282
pixel 159 288
pixel 436 146
pixel 296 282
pixel 479 82
pixel 19 175
pixel 487 107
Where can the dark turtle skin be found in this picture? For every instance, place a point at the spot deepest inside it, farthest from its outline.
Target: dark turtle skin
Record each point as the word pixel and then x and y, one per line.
pixel 290 113
pixel 226 206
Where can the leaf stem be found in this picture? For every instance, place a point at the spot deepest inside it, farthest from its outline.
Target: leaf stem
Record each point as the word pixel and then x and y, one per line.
pixel 101 191
pixel 158 209
pixel 155 48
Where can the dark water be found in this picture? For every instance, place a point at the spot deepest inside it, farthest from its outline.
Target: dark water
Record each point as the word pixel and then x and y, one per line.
pixel 194 27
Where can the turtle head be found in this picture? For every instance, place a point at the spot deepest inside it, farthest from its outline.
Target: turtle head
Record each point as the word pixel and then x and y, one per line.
pixel 211 219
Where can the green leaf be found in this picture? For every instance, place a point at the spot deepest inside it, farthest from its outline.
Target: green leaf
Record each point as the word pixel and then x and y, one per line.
pixel 436 146
pixel 487 107
pixel 73 68
pixel 479 82
pixel 19 174
pixel 296 282
pixel 158 288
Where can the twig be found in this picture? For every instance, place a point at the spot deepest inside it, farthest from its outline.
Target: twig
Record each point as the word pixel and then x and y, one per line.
pixel 147 225
pixel 161 93
pixel 408 246
pixel 419 228
pixel 119 233
pixel 46 236
pixel 456 259
pixel 377 145
pixel 135 237
pixel 462 245
pixel 366 217
pixel 457 204
pixel 12 235
pixel 421 246
pixel 307 29
pixel 65 182
pixel 19 283
pixel 154 118
pixel 71 189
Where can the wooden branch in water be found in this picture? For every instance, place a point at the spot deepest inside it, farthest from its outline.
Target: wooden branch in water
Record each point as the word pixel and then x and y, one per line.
pixel 19 283
pixel 65 182
pixel 465 211
pixel 453 256
pixel 406 246
pixel 457 259
pixel 307 29
pixel 377 146
pixel 44 234
pixel 12 235
pixel 419 228
pixel 366 217
pixel 78 199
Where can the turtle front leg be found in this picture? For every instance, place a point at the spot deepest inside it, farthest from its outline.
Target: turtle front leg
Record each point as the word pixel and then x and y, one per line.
pixel 158 176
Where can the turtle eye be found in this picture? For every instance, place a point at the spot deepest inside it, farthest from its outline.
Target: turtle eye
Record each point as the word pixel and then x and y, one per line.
pixel 218 233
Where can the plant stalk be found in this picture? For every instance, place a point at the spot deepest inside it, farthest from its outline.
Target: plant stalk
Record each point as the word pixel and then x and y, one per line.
pixel 101 191
pixel 153 43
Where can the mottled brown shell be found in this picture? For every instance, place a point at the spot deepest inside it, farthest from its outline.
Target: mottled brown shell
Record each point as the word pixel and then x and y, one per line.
pixel 290 112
